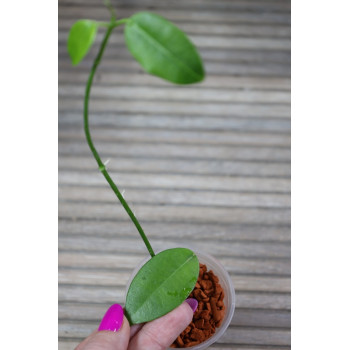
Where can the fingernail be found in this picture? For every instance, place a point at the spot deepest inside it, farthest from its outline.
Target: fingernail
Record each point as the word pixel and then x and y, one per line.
pixel 113 319
pixel 193 303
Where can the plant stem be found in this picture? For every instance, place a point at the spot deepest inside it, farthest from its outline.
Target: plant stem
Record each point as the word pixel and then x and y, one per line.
pixel 101 166
pixel 110 9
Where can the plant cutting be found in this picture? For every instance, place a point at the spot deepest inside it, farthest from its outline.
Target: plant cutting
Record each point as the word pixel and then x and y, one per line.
pixel 163 50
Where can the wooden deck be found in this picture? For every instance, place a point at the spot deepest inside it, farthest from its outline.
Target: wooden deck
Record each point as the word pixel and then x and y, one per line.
pixel 204 166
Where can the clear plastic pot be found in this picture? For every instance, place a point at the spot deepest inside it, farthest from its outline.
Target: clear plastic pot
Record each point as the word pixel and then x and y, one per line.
pixel 226 284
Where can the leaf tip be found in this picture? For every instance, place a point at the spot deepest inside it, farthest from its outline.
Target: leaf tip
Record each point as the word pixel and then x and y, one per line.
pixel 80 38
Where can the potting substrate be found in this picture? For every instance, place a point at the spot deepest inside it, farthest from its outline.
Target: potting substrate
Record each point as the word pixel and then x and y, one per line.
pixel 210 312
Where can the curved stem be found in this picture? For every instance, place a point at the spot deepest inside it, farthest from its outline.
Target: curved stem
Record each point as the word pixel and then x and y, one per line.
pixel 91 145
pixel 110 8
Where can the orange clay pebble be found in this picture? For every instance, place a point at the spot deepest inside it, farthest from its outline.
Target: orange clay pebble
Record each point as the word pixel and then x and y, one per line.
pixel 192 343
pixel 210 311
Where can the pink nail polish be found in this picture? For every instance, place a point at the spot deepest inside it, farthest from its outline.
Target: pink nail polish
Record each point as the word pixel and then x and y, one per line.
pixel 113 319
pixel 193 303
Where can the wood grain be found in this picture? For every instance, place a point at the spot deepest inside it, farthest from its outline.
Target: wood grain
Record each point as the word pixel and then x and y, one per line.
pixel 175 15
pixel 204 166
pixel 110 262
pixel 177 93
pixel 190 231
pixel 211 81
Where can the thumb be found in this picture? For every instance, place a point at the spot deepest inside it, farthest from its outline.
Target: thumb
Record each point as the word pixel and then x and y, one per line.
pixel 160 333
pixel 112 334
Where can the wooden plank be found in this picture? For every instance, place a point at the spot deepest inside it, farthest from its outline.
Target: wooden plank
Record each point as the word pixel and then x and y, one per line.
pixel 262 318
pixel 67 345
pixel 181 109
pixel 74 75
pixel 268 216
pixel 207 137
pixel 276 6
pixel 232 335
pixel 84 294
pixel 179 197
pixel 173 181
pixel 100 13
pixel 178 166
pixel 190 232
pixel 112 262
pixel 168 121
pixel 133 245
pixel 240 335
pixel 232 69
pixel 270 69
pixel 176 94
pixel 157 149
pixel 273 301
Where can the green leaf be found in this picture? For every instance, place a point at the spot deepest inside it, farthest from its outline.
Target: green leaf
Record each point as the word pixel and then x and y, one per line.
pixel 161 285
pixel 81 37
pixel 163 49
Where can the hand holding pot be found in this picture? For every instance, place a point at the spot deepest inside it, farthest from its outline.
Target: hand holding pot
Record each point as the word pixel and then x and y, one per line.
pixel 114 332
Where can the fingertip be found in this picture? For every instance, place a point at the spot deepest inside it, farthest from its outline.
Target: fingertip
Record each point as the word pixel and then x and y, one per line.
pixel 113 319
pixel 193 303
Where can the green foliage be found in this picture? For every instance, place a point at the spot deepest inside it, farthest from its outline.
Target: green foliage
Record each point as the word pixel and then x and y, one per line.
pixel 162 49
pixel 81 37
pixel 161 285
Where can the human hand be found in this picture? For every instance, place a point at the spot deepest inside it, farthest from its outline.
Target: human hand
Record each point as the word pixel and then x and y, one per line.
pixel 115 333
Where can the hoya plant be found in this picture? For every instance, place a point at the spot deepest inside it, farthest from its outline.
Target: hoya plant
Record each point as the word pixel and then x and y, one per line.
pixel 163 50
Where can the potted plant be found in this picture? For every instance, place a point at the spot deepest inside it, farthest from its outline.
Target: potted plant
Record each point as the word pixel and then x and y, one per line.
pixel 172 275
